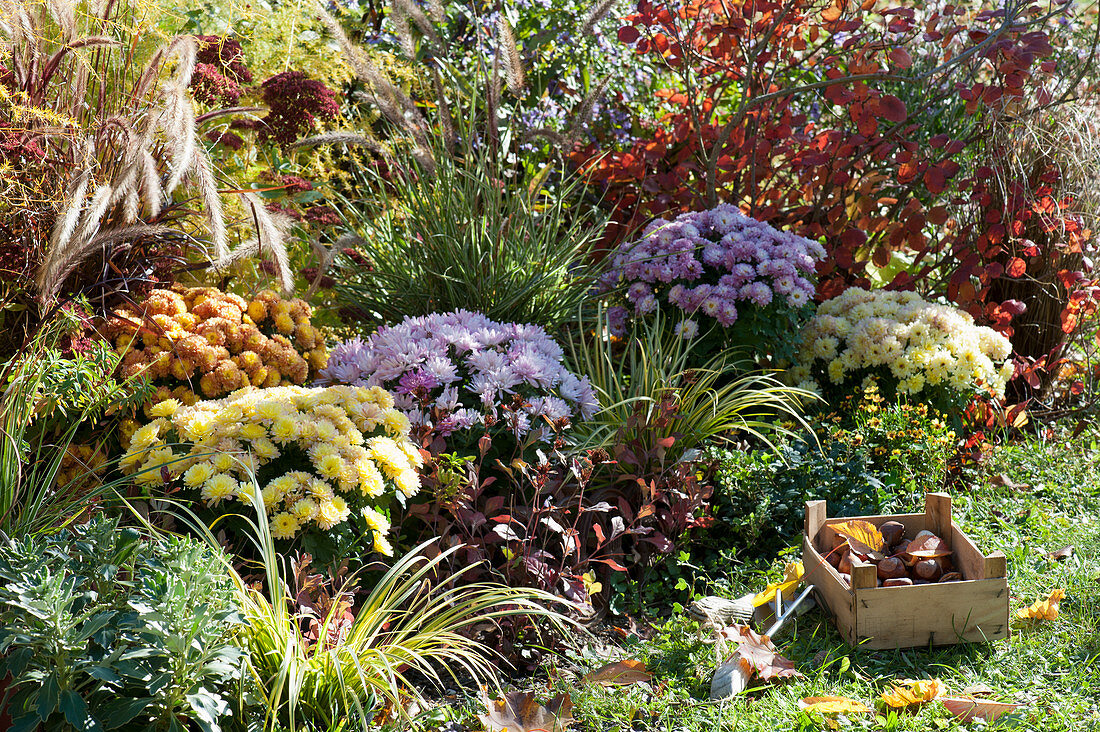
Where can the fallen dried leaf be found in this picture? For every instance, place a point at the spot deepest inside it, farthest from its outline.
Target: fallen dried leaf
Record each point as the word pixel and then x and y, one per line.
pixel 863 536
pixel 759 653
pixel 832 705
pixel 966 709
pixel 620 673
pixel 792 577
pixel 1043 609
pixel 1062 554
pixel 908 692
pixel 928 546
pixel 519 712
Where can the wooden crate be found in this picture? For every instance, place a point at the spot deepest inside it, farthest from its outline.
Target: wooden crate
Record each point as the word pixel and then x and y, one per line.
pixel 974 609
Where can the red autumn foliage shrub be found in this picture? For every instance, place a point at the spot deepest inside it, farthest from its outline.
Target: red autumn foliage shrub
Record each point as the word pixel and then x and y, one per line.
pixel 867 126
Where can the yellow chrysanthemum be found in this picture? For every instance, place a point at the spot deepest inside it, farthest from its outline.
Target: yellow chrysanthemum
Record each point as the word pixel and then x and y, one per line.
pixel 329 514
pixel 304 509
pixel 147 435
pixel 284 526
pixel 284 429
pixel 198 474
pixel 166 408
pixel 219 488
pixel 382 545
pixel 370 479
pixel 265 449
pixel 330 466
pixel 375 520
pixel 408 482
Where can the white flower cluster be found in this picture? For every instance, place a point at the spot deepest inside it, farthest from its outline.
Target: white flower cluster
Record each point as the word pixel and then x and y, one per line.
pixel 921 344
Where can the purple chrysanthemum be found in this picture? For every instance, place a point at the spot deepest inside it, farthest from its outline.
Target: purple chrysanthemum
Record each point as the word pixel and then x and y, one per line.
pixel 710 263
pixel 450 371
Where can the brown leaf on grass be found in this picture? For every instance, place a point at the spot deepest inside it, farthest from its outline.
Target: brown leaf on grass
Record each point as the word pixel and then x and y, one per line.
pixel 863 536
pixel 519 712
pixel 1004 480
pixel 832 705
pixel 928 546
pixel 907 692
pixel 966 708
pixel 758 652
pixel 1046 609
pixel 620 673
pixel 1062 554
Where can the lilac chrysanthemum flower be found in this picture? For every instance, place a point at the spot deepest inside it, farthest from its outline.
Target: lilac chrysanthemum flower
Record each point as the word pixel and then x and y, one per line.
pixel 710 264
pixel 450 371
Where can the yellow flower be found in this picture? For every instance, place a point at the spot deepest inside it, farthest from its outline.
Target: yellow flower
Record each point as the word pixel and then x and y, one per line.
pixel 265 449
pixel 408 482
pixel 381 545
pixel 224 462
pixel 370 479
pixel 219 488
pixel 198 474
pixel 147 435
pixel 199 426
pixel 304 509
pixel 330 466
pixel 329 513
pixel 284 526
pixel 325 430
pixel 165 408
pixel 284 429
pixel 396 422
pixel 320 490
pixel 271 409
pixel 375 520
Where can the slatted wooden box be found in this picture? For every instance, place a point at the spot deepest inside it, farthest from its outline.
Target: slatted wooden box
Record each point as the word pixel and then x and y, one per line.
pixel 974 609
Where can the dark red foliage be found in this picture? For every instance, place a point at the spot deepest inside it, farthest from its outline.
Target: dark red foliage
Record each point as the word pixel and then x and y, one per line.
pixel 661 497
pixel 295 184
pixel 295 101
pixel 858 124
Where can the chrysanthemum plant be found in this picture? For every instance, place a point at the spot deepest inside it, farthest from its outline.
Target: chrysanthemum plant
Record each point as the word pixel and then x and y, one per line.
pixel 328 462
pixel 928 351
pixel 461 377
pixel 730 279
pixel 200 339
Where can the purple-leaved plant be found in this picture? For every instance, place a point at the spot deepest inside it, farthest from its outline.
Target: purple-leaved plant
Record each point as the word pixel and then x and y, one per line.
pixel 452 372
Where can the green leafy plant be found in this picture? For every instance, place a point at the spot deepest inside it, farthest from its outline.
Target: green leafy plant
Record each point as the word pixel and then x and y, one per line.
pixel 47 400
pixel 759 496
pixel 102 629
pixel 652 365
pixel 467 232
pixel 412 621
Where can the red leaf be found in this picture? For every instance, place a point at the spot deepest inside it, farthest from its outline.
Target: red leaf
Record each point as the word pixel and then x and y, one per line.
pixel 628 34
pixel 611 563
pixel 1016 267
pixel 892 108
pixel 901 58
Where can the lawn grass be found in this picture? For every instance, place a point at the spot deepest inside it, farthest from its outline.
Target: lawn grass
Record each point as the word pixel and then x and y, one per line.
pixel 1052 668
